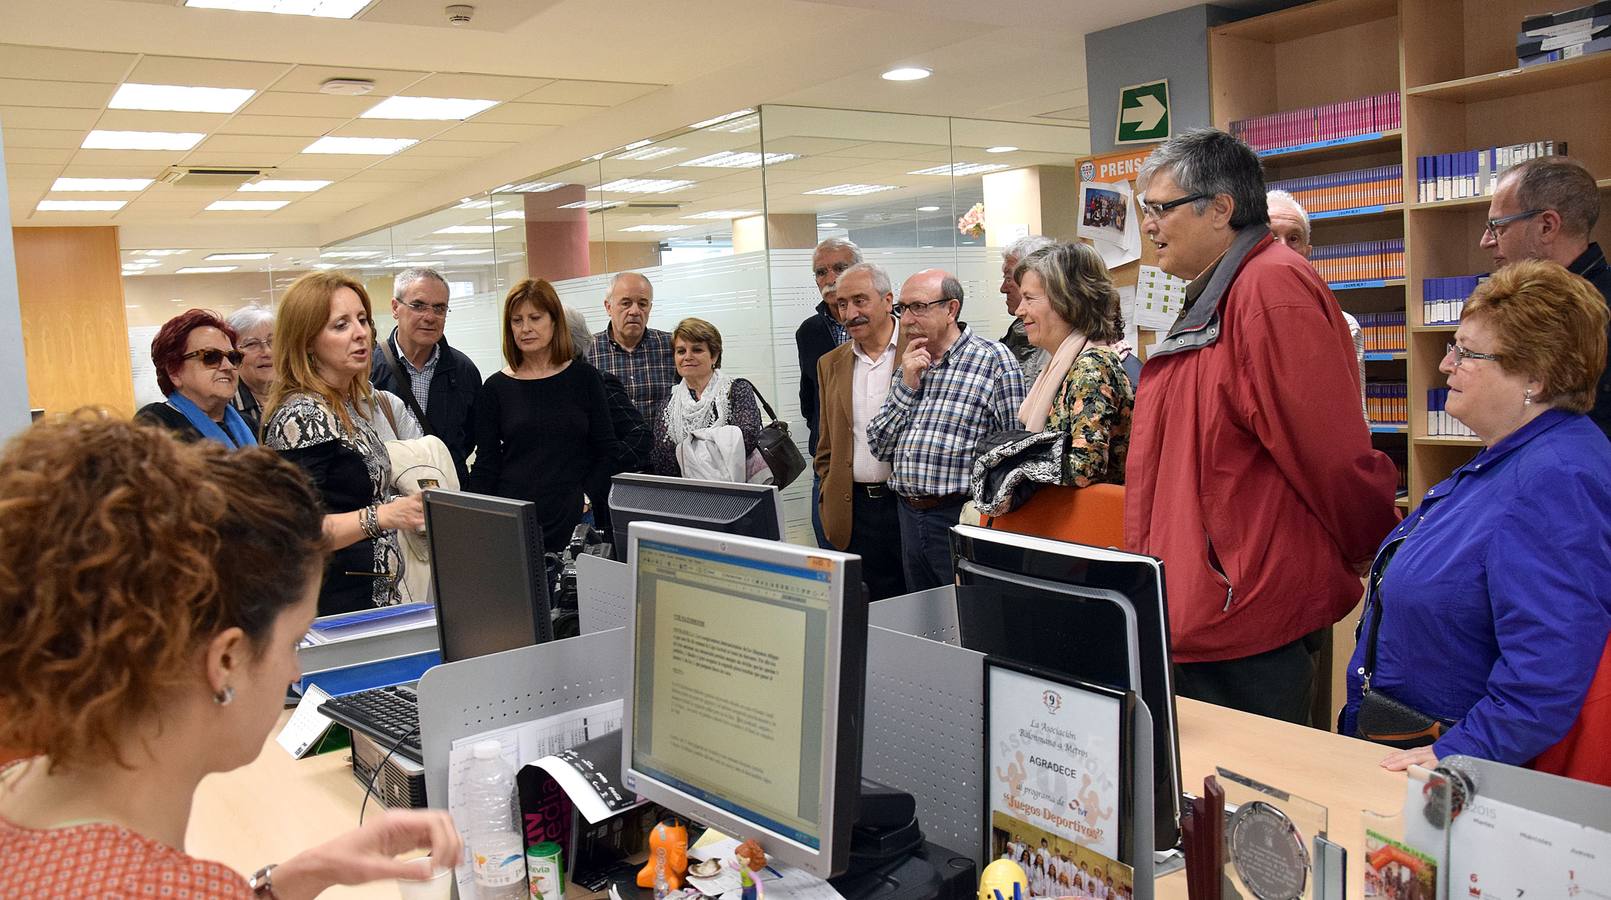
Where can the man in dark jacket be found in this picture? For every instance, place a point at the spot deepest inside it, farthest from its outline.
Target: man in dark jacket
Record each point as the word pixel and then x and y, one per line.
pixel 438 383
pixel 818 334
pixel 1545 208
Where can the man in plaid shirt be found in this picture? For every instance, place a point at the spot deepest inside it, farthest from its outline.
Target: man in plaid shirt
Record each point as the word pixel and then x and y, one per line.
pixel 954 388
pixel 635 353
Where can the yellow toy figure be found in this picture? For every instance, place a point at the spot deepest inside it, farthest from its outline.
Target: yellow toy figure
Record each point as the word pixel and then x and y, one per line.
pixel 668 853
pixel 1004 880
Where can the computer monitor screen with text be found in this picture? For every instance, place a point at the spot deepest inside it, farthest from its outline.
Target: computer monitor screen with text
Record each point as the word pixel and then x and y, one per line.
pixel 745 708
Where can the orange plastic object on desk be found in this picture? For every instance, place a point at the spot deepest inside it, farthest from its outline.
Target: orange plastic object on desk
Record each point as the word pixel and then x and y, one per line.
pixel 671 839
pixel 1091 515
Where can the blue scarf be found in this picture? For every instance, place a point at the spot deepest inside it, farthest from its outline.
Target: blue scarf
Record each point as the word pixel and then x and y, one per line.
pixel 239 435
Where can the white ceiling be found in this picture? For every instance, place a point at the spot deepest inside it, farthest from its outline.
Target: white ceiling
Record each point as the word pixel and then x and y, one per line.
pixel 572 77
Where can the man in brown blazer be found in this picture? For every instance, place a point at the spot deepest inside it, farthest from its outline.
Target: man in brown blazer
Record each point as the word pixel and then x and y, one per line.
pixel 857 506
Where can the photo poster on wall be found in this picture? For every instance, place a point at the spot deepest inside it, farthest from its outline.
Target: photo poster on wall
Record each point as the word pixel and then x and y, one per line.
pixel 1114 168
pixel 1058 781
pixel 1108 220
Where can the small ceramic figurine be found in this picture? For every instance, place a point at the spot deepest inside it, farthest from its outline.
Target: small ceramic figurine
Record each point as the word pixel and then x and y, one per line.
pixel 749 858
pixel 668 856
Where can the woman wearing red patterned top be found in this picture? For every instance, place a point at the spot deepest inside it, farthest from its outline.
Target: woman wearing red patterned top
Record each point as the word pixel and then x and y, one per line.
pixel 152 597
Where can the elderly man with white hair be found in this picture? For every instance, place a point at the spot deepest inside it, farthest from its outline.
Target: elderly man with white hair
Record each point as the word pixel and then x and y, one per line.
pixel 819 334
pixel 1030 358
pixel 438 383
pixel 1289 222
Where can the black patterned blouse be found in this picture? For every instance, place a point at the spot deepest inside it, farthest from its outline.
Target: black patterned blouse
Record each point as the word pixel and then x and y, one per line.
pixel 350 471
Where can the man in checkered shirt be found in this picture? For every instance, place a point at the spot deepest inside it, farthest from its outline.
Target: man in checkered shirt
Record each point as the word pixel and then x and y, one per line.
pixel 632 351
pixel 954 387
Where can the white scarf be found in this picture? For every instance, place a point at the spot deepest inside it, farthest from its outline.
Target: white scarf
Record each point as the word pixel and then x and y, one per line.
pixel 684 414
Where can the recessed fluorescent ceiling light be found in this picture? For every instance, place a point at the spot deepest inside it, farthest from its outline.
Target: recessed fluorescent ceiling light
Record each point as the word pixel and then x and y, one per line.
pixel 528 187
pixel 509 214
pixel 179 98
pixel 80 205
pixel 434 108
pixel 246 205
pixel 351 254
pixel 854 190
pixel 643 186
pixel 283 186
pixel 411 263
pixel 162 252
pixel 101 184
pixel 928 209
pixel 728 159
pixel 468 203
pixel 656 227
pixel 203 270
pixel 141 140
pixel 361 146
pixel 961 169
pixel 725 214
pixel 591 205
pixel 1002 149
pixel 462 252
pixel 222 257
pixel 647 153
pixel 908 73
pixel 738 126
pixel 720 119
pixel 324 9
pixel 472 229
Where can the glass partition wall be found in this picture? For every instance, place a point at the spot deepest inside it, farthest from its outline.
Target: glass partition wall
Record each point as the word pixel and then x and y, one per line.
pixel 722 218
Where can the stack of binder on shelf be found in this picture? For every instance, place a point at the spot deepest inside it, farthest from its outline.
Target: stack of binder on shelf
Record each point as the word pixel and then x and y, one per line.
pixel 1473 173
pixel 1564 35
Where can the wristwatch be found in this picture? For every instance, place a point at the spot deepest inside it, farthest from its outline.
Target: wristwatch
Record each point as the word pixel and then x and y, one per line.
pixel 262 882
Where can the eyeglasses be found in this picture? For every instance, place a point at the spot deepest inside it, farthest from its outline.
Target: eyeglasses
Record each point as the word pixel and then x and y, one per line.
pixel 1461 354
pixel 1495 226
pixel 1157 210
pixel 212 358
pixel 440 310
pixel 257 344
pixel 917 308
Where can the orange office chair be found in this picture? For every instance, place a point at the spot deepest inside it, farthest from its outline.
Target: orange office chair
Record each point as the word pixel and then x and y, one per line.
pixel 1089 515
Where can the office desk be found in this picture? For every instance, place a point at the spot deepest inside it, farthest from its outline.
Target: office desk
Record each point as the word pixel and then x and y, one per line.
pixel 276 806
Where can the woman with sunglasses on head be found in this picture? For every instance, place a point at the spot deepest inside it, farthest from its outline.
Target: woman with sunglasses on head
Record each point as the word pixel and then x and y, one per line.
pixel 150 638
pixel 1488 608
pixel 198 369
pixel 322 416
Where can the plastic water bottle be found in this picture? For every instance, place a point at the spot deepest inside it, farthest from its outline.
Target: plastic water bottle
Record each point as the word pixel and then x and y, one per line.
pixel 496 852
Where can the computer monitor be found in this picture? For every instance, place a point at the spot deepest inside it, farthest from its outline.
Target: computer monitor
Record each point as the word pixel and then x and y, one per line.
pixel 751 510
pixel 746 689
pixel 1038 601
pixel 488 572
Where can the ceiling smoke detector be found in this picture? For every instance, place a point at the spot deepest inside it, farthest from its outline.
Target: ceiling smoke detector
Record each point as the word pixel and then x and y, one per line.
pixel 459 13
pixel 347 87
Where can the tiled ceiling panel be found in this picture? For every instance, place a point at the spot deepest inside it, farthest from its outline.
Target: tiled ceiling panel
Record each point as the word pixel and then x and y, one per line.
pixel 484 131
pixel 306 79
pixel 285 103
pixel 77 94
pixel 223 73
pixel 282 126
pixel 34 137
pixel 592 93
pixel 536 114
pixel 18 61
pixel 39 117
pixel 476 87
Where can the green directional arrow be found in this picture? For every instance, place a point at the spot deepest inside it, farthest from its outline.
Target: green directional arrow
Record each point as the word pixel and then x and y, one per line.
pixel 1143 113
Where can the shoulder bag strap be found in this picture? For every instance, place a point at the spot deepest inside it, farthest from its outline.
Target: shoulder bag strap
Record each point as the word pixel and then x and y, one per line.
pixel 407 385
pixel 757 391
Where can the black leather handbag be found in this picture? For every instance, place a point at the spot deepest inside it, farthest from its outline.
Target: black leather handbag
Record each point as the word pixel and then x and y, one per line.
pixel 1381 718
pixel 778 448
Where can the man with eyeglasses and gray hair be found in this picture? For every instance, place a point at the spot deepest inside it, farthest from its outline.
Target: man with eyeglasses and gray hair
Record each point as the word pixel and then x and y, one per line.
pixel 1545 208
pixel 1030 357
pixel 1251 472
pixel 438 383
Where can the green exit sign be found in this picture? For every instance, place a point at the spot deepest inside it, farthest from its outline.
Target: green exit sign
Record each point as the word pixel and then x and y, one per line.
pixel 1143 113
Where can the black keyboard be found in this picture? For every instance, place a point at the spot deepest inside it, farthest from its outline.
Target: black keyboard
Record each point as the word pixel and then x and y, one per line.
pixel 388 714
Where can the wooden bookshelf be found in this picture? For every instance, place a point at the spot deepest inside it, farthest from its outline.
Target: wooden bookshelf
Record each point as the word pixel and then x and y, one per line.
pixel 1454 64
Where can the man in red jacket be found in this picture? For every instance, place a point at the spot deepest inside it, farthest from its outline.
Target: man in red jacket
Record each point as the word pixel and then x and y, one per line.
pixel 1251 472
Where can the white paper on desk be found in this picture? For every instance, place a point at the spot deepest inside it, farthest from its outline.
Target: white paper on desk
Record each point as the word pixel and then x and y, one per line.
pixel 782 881
pixel 520 744
pixel 1159 298
pixel 1500 850
pixel 306 726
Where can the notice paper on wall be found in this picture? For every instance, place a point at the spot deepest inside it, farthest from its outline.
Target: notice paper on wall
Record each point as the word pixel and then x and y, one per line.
pixel 1500 851
pixel 1159 298
pixel 1108 220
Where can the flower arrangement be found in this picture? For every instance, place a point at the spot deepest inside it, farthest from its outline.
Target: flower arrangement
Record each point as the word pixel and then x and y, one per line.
pixel 972 223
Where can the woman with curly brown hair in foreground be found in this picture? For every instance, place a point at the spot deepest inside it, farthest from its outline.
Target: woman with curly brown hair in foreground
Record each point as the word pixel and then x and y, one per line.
pixel 152 595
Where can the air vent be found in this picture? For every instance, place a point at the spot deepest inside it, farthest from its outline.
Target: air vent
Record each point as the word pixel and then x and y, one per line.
pixel 210 176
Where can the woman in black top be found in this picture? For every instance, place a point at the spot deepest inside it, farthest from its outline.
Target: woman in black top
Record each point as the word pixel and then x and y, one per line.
pixel 542 427
pixel 197 370
pixel 320 417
